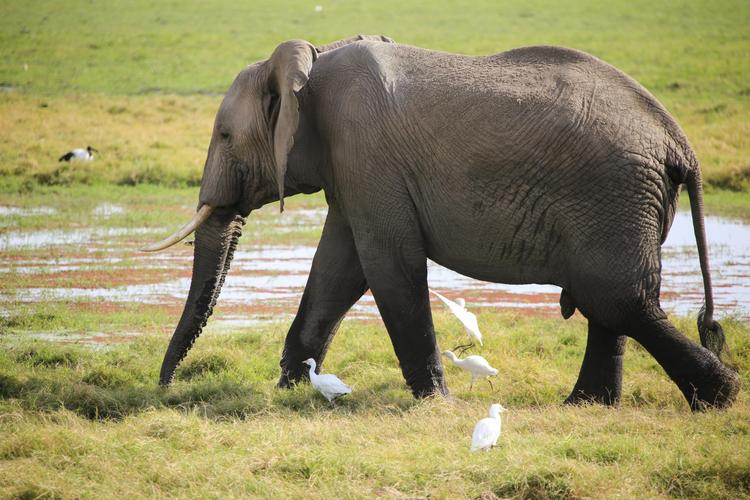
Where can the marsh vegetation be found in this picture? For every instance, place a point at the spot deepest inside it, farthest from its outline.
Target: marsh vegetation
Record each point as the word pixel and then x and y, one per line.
pixel 85 319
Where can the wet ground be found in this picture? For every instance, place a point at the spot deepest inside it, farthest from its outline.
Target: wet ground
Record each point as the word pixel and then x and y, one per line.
pixel 99 267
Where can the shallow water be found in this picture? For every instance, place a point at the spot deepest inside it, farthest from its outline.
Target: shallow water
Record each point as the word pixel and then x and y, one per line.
pixel 45 238
pixel 108 210
pixel 91 339
pixel 6 211
pixel 266 282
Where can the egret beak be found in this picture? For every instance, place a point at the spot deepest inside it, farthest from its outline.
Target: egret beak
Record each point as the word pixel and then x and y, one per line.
pixel 198 219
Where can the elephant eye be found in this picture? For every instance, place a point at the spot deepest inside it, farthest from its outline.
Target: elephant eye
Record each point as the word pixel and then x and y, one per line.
pixel 224 135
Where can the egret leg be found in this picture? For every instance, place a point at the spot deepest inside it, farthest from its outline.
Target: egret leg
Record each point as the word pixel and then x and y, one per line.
pixel 461 349
pixel 335 283
pixel 490 382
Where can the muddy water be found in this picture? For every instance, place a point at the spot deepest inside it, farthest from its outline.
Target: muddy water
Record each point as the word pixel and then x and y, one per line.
pixel 266 282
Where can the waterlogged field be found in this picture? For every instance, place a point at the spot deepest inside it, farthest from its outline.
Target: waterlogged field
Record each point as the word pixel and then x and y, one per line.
pixel 85 318
pixel 52 253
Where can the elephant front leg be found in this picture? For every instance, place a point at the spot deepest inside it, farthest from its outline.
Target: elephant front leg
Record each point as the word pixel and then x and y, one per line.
pixel 600 379
pixel 395 265
pixel 335 283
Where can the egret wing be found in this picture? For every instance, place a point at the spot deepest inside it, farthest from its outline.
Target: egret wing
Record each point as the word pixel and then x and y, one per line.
pixel 331 386
pixel 452 306
pixel 478 362
pixel 485 434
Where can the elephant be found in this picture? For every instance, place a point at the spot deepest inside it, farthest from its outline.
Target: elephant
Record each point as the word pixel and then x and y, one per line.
pixel 540 164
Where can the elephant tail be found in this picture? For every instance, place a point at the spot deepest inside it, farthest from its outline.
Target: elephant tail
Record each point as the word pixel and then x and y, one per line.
pixel 711 332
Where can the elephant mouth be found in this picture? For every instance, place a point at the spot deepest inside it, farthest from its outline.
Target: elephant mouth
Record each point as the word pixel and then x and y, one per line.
pixel 201 215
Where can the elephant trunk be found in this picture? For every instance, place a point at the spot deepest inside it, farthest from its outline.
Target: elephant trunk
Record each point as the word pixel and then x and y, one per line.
pixel 215 242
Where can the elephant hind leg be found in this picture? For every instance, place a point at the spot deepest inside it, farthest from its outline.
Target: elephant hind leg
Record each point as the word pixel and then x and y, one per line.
pixel 703 379
pixel 600 378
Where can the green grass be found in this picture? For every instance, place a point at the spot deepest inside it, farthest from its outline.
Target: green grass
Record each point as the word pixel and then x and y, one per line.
pixel 141 80
pixel 88 423
pixel 725 202
pixel 77 205
pixel 202 45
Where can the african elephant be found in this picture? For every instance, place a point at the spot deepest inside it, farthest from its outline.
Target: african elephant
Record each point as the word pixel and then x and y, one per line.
pixel 535 165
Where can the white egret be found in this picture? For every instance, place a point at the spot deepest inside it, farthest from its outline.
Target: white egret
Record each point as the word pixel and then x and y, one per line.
pixel 487 431
pixel 79 154
pixel 468 319
pixel 328 385
pixel 477 366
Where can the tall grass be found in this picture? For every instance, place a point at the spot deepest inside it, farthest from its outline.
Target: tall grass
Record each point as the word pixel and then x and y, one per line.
pixel 79 422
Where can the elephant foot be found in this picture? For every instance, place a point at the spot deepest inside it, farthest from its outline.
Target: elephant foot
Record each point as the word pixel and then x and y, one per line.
pixel 426 381
pixel 703 379
pixel 291 376
pixel 718 390
pixel 604 396
pixel 600 378
pixel 426 391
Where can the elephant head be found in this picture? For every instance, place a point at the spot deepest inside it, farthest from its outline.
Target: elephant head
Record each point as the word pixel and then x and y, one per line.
pixel 245 169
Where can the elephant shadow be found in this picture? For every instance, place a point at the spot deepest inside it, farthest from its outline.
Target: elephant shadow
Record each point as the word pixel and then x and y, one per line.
pixel 95 397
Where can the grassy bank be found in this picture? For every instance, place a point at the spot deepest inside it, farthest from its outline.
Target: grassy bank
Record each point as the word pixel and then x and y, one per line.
pixel 142 82
pixel 82 422
pixel 162 141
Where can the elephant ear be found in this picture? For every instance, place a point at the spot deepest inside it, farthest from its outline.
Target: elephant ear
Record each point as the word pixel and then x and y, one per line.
pixel 290 66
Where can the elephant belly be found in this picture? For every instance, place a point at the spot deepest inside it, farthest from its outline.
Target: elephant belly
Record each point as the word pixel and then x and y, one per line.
pixel 513 239
pixel 486 257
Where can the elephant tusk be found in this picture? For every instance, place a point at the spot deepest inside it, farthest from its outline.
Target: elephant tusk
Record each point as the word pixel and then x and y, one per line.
pixel 198 219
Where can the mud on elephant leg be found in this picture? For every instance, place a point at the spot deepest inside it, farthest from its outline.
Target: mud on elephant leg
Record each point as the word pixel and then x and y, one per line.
pixel 335 283
pixel 600 378
pixel 703 379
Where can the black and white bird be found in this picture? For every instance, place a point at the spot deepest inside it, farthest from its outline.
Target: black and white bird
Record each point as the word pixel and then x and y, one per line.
pixel 79 154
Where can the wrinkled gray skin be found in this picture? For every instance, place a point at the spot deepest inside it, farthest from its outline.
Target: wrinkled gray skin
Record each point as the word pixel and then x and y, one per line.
pixel 536 165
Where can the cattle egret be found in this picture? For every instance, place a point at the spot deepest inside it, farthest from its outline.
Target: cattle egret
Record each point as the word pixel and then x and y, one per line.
pixel 487 431
pixel 328 385
pixel 468 319
pixel 79 154
pixel 477 366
